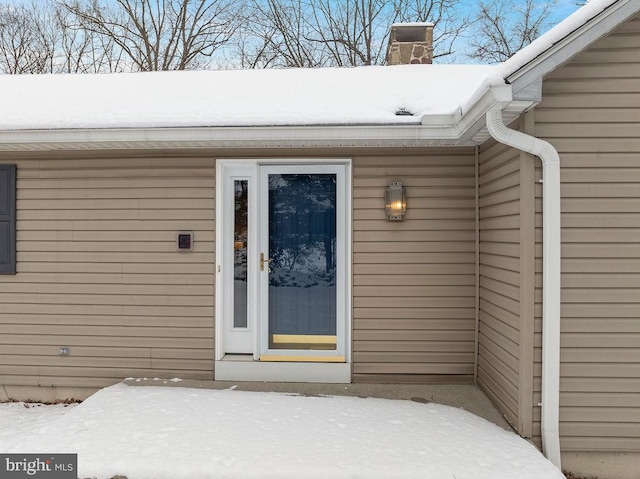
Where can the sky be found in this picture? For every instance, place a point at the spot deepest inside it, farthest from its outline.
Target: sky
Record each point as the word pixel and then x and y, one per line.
pixel 562 9
pixel 566 8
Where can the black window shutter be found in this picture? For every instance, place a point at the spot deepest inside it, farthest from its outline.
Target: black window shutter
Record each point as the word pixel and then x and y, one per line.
pixel 7 219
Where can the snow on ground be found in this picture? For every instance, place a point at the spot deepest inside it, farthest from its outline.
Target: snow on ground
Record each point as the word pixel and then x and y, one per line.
pixel 160 432
pixel 18 418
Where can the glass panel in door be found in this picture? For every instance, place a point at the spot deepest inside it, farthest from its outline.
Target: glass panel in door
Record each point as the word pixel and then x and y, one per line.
pixel 240 250
pixel 302 261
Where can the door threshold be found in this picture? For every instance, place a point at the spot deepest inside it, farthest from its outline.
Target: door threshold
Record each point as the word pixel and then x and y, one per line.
pixel 242 367
pixel 302 359
pixel 237 357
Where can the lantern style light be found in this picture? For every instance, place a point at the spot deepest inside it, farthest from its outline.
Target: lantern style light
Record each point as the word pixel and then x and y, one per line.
pixel 395 201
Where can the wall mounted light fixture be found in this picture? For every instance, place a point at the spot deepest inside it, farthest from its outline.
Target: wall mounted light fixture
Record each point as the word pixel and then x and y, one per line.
pixel 395 201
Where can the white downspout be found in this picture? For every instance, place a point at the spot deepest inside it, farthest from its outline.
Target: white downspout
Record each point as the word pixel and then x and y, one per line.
pixel 550 272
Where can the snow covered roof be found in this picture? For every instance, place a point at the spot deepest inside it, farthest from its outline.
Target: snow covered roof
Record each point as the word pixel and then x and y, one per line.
pixel 292 97
pixel 328 107
pixel 413 24
pixel 558 33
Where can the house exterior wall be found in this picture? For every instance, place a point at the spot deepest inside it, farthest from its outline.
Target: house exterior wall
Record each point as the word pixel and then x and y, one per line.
pixel 98 272
pixel 499 321
pixel 590 113
pixel 506 276
pixel 414 280
pixel 98 269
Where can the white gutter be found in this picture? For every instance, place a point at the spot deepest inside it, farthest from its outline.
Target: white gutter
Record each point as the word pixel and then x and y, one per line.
pixel 550 271
pixel 320 136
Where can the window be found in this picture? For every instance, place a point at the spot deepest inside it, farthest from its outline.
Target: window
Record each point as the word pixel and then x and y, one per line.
pixel 7 219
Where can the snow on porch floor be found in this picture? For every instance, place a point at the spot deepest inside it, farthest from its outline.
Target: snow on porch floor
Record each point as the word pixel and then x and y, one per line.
pixel 162 432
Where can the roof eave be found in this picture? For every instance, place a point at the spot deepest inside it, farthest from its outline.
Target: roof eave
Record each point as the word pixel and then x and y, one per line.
pixel 464 127
pixel 457 129
pixel 571 45
pixel 470 124
pixel 252 137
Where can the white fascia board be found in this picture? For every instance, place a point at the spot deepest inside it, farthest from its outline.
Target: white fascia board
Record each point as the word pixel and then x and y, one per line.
pixel 467 124
pixel 496 94
pixel 228 137
pixel 574 43
pixel 438 121
pixel 531 92
pixel 470 123
pixel 461 121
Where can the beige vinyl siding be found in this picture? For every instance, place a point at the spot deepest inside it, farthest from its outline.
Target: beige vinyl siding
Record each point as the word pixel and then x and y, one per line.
pixel 98 271
pixel 590 113
pixel 505 331
pixel 414 280
pixel 498 327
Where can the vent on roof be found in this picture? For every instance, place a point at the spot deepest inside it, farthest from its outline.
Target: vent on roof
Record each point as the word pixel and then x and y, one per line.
pixel 403 112
pixel 410 43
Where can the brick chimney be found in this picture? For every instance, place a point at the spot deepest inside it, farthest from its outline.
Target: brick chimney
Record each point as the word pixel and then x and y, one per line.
pixel 410 43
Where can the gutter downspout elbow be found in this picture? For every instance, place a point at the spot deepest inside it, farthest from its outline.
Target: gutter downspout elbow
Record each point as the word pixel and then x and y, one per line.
pixel 550 271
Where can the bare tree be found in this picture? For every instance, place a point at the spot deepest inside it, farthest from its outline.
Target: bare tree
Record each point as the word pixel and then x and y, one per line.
pixel 41 38
pixel 310 33
pixel 80 50
pixel 502 27
pixel 353 31
pixel 80 36
pixel 25 43
pixel 276 34
pixel 449 23
pixel 160 34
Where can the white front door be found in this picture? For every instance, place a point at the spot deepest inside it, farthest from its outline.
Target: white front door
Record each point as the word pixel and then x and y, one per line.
pixel 283 261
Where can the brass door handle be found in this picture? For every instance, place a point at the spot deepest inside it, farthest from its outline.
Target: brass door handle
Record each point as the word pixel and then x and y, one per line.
pixel 263 261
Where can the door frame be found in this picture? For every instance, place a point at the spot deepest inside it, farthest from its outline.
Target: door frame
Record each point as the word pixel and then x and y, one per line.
pixel 339 354
pixel 221 306
pixel 246 337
